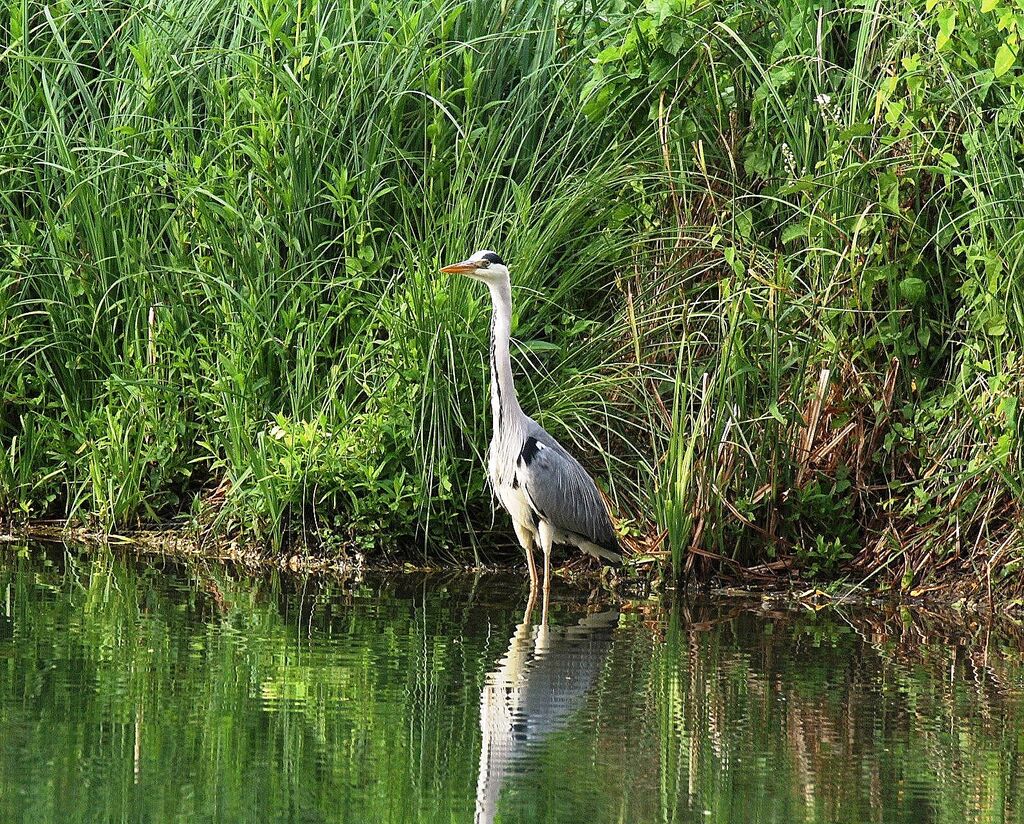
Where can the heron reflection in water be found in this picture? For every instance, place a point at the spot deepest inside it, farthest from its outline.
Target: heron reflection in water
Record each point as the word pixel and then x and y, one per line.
pixel 544 677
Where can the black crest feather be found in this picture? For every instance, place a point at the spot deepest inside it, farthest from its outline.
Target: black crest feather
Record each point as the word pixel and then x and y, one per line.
pixel 493 258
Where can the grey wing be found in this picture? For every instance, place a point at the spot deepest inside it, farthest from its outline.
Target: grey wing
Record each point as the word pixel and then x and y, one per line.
pixel 559 490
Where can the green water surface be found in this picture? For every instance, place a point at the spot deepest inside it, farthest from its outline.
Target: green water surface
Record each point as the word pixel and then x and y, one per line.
pixel 144 691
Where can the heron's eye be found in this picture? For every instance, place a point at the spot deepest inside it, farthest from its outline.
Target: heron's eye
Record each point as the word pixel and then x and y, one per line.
pixel 484 263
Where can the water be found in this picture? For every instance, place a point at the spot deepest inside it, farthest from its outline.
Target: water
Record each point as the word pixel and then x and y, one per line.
pixel 141 691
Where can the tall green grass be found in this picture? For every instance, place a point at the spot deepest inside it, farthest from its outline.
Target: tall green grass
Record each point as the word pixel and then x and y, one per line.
pixel 223 225
pixel 766 265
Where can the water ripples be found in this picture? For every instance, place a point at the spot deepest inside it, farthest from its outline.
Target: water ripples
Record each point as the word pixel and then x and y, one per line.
pixel 130 692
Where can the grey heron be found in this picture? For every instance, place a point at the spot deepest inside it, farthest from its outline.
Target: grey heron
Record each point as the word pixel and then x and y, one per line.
pixel 550 496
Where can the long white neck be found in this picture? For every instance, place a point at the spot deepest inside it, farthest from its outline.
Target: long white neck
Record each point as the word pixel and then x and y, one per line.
pixel 504 403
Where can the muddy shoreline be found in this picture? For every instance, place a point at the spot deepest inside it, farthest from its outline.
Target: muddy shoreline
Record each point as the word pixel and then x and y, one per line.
pixel 950 600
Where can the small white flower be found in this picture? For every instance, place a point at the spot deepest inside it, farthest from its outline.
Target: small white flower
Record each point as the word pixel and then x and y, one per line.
pixel 789 159
pixel 828 111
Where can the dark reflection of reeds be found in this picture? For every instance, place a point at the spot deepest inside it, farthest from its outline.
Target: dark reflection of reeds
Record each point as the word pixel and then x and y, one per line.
pixel 871 716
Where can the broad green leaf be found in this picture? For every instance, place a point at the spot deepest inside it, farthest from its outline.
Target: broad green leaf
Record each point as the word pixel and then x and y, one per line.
pixel 996 327
pixel 889 191
pixel 661 9
pixel 794 231
pixel 947 23
pixel 912 290
pixel 1004 60
pixel 541 346
pixel 744 224
pixel 854 131
pixel 733 260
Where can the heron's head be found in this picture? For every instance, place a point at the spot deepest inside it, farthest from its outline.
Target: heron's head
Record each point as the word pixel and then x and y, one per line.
pixel 484 266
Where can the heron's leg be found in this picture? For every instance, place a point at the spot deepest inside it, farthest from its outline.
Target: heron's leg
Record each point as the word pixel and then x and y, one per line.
pixel 547 536
pixel 526 542
pixel 532 564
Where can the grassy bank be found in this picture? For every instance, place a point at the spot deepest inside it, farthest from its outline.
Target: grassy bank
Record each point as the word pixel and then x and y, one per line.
pixel 766 265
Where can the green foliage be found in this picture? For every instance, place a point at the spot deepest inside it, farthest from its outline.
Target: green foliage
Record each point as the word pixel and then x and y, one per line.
pixel 755 246
pixel 846 180
pixel 221 230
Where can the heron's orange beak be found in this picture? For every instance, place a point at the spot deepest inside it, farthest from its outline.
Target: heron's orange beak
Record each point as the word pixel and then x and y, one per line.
pixel 464 268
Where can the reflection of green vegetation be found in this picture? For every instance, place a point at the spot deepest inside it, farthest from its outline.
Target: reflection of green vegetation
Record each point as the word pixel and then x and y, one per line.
pixel 802 720
pixel 134 693
pixel 237 714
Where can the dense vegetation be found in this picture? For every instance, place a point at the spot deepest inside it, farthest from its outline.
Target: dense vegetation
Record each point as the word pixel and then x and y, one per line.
pixel 767 263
